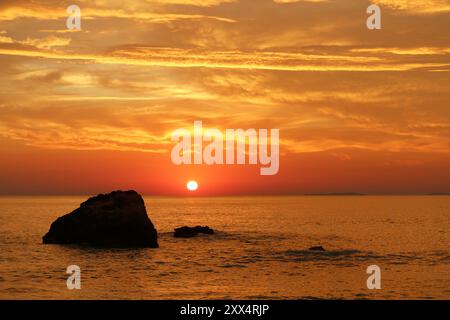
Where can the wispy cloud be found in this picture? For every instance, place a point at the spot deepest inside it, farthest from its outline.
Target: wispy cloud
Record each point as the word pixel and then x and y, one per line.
pixel 263 60
pixel 51 12
pixel 417 6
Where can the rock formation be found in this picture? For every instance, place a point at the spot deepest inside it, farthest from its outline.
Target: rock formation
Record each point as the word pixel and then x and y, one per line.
pixel 117 219
pixel 317 248
pixel 189 232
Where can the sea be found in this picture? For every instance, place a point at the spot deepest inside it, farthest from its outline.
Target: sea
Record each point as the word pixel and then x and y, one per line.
pixel 259 250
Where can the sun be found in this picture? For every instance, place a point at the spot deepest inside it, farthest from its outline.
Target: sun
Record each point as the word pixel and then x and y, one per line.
pixel 192 185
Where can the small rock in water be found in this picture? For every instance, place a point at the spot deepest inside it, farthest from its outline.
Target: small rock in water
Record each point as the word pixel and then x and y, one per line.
pixel 189 232
pixel 317 248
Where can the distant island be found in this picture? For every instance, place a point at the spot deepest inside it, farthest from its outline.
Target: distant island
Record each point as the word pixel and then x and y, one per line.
pixel 336 194
pixel 364 194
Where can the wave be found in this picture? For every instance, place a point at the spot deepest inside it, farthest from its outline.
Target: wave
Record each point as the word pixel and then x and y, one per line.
pixel 242 249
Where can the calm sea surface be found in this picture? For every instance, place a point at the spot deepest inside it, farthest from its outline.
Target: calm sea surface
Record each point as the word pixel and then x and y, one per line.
pixel 260 250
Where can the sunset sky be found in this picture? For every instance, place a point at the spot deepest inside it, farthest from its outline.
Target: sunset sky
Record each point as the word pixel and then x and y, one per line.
pixel 83 112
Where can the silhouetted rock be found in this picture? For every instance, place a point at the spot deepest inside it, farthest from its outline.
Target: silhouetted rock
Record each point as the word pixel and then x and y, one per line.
pixel 189 232
pixel 117 219
pixel 317 248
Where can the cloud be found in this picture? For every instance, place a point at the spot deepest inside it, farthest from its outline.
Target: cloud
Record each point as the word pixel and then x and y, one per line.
pixel 293 1
pixel 198 3
pixel 406 51
pixel 314 111
pixel 123 84
pixel 188 58
pixel 417 6
pixel 51 12
pixel 47 42
pixel 38 43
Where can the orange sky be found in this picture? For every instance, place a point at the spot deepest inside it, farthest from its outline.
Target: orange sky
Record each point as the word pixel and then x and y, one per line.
pixel 92 111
